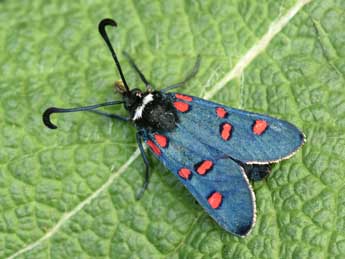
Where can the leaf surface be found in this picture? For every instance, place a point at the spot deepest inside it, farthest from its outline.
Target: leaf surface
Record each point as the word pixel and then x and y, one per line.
pixel 70 193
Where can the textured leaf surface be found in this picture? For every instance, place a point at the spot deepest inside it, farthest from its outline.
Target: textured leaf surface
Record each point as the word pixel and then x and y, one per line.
pixel 70 193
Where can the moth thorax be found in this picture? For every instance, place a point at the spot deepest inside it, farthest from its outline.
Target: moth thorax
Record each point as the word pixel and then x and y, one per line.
pixel 140 109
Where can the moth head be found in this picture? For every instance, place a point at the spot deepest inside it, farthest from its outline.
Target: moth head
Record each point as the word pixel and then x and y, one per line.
pixel 132 99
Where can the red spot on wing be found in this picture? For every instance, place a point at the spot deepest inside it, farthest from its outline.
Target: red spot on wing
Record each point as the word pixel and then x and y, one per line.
pixel 215 200
pixel 259 127
pixel 204 166
pixel 221 112
pixel 161 140
pixel 185 173
pixel 153 147
pixel 225 131
pixel 184 97
pixel 181 106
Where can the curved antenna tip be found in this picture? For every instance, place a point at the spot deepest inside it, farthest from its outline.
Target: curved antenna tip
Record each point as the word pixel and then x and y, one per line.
pixel 105 22
pixel 46 118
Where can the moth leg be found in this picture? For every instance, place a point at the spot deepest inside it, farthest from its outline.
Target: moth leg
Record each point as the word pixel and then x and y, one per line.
pixel 187 78
pixel 110 115
pixel 136 68
pixel 147 166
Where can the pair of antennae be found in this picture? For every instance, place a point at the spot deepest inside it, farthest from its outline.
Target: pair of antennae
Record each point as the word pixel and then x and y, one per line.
pixel 51 110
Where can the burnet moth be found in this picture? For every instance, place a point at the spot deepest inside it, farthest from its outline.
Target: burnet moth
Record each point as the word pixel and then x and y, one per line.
pixel 214 150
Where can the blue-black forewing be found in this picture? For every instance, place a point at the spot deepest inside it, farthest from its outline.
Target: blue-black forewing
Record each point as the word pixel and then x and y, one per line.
pixel 200 136
pixel 278 141
pixel 182 152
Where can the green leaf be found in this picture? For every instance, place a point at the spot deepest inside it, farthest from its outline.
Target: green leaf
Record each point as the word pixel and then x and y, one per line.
pixel 70 193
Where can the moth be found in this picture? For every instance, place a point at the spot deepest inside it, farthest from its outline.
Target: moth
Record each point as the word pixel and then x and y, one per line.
pixel 214 150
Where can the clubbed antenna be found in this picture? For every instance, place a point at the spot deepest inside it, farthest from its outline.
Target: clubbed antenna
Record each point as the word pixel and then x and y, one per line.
pixel 51 110
pixel 101 28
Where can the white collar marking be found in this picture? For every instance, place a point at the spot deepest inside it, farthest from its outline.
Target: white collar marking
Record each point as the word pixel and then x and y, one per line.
pixel 139 110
